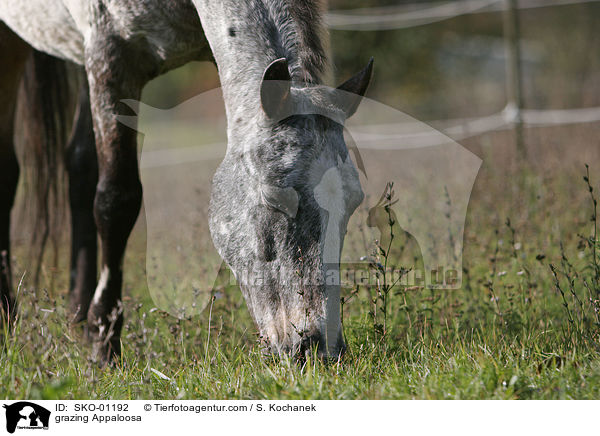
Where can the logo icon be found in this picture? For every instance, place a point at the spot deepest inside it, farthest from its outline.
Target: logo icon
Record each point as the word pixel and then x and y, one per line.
pixel 26 415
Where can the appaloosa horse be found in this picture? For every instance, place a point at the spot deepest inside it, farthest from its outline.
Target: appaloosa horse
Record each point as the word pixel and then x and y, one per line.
pixel 282 196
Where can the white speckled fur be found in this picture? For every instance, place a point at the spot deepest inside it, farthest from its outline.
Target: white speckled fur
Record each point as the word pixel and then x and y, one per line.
pixel 48 25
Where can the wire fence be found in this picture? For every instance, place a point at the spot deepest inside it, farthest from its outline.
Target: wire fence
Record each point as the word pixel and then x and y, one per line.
pixel 415 134
pixel 514 115
pixel 418 134
pixel 400 135
pixel 413 15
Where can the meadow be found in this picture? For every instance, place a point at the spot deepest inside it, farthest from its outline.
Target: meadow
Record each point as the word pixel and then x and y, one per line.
pixel 524 325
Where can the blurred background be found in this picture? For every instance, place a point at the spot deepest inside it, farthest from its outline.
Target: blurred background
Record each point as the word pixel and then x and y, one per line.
pixel 448 60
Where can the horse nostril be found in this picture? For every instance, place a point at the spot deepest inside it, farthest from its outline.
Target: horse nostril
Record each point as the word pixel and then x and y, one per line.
pixel 342 350
pixel 311 343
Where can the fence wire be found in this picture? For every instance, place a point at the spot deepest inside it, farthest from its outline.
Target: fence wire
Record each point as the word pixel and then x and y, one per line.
pixel 413 15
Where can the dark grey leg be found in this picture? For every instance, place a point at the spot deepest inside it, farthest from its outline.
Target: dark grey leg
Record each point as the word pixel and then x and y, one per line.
pixel 82 166
pixel 119 191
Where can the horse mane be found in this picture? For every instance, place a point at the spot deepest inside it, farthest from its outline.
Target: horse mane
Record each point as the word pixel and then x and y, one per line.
pixel 302 35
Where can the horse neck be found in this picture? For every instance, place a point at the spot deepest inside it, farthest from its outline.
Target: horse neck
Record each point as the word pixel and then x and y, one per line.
pixel 247 35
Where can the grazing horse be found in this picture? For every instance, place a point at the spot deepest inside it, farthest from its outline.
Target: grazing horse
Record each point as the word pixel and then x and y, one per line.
pixel 284 192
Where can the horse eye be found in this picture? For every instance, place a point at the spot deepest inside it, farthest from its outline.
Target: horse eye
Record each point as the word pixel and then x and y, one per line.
pixel 282 199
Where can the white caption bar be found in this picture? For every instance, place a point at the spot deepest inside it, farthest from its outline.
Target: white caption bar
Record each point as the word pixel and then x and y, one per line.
pixel 295 417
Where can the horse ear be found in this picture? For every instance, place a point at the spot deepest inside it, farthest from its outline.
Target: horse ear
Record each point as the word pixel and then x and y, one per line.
pixel 275 88
pixel 354 89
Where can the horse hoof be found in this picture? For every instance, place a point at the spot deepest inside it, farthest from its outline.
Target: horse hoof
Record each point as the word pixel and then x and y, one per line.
pixel 77 315
pixel 105 354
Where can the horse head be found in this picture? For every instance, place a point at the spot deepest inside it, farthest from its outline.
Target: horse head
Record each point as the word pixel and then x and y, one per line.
pixel 280 205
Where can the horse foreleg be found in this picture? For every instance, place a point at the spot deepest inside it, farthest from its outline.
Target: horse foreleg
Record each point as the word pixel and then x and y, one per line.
pixel 13 52
pixel 9 175
pixel 113 74
pixel 82 166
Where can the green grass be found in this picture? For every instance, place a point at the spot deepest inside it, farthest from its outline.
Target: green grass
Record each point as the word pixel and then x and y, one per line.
pixel 447 363
pixel 511 332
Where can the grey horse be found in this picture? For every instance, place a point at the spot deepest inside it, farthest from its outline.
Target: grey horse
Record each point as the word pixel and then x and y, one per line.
pixel 282 196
